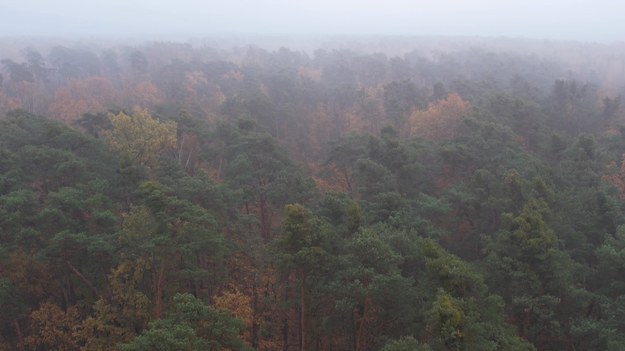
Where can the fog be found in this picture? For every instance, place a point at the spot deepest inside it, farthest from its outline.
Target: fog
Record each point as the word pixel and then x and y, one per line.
pixel 598 20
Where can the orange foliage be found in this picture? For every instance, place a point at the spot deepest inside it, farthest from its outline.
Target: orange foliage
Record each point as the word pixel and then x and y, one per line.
pixel 447 178
pixel 194 79
pixel 353 121
pixel 233 75
pixel 611 132
pixel 79 96
pixel 253 286
pixel 441 119
pixel 465 227
pixel 237 302
pixel 143 94
pixel 314 74
pixel 7 104
pixel 240 305
pixel 324 185
pixel 617 179
pixel 521 140
pixel 335 181
pixel 53 328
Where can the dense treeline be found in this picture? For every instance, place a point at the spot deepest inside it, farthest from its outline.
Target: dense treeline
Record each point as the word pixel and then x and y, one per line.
pixel 166 197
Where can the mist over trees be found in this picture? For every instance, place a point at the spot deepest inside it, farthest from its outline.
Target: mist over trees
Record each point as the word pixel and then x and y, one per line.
pixel 434 194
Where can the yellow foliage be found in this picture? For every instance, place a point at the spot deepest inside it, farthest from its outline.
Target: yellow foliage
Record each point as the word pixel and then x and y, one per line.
pixel 53 328
pixel 118 319
pixel 5 346
pixel 138 137
pixel 449 311
pixel 199 91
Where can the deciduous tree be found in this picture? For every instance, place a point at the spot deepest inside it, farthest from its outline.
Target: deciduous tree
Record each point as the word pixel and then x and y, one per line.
pixel 139 138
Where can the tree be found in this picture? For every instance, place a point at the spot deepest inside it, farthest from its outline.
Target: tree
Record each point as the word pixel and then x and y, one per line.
pixel 28 95
pixel 525 255
pixel 191 326
pixel 441 119
pixel 177 239
pixel 7 103
pixel 139 138
pixel 373 300
pixel 36 64
pixel 303 256
pixel 574 107
pixel 268 178
pixel 240 305
pixel 53 328
pixel 138 63
pixel 343 157
pixel 80 96
pixel 17 71
pixel 73 63
pixel 118 317
pixel 14 307
pixel 448 321
pixel 407 343
pixel 601 328
pixel 143 94
pixel 458 311
pixel 400 99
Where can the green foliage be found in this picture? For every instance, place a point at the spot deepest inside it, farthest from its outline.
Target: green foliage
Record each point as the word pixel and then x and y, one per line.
pixel 525 254
pixel 508 235
pixel 462 314
pixel 407 343
pixel 456 277
pixel 174 236
pixel 12 305
pixel 120 317
pixel 258 166
pixel 191 326
pixel 447 318
pixel 399 100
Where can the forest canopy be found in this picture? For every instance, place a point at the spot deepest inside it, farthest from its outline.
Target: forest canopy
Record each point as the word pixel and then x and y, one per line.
pixel 171 196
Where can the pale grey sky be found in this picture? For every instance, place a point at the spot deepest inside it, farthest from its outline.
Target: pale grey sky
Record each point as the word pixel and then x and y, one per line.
pixel 586 20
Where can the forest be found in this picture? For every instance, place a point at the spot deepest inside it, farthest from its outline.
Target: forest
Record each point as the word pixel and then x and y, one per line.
pixel 427 195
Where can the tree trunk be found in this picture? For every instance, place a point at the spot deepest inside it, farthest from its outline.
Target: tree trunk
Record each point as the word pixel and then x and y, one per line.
pixel 285 322
pixel 254 331
pixel 159 280
pixel 302 314
pixel 20 336
pixel 360 343
pixel 84 279
pixel 265 228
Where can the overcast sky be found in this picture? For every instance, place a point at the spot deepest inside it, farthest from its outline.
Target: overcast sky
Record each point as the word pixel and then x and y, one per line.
pixel 597 20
